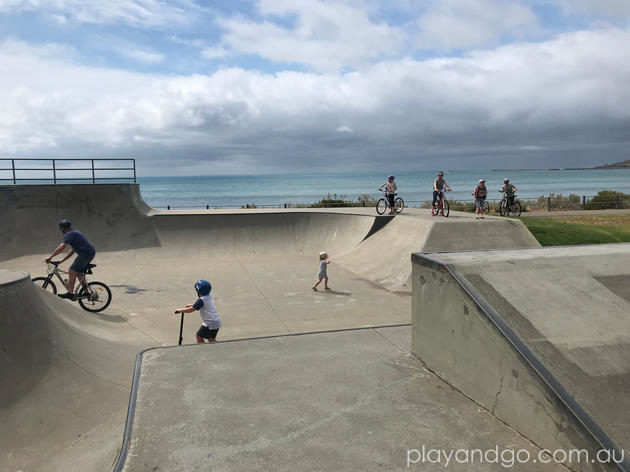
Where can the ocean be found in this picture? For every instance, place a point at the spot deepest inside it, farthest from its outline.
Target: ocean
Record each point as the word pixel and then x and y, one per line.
pixel 415 187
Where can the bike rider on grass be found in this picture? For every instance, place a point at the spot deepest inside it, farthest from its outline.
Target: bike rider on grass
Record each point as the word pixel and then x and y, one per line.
pixel 79 245
pixel 438 188
pixel 510 191
pixel 391 190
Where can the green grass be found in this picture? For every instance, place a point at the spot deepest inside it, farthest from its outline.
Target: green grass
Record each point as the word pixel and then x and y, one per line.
pixel 562 231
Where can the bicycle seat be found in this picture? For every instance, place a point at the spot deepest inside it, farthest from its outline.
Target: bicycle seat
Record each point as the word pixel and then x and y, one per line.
pixel 89 269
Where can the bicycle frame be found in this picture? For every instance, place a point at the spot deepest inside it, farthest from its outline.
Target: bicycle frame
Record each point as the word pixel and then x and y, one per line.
pixel 441 200
pixel 80 277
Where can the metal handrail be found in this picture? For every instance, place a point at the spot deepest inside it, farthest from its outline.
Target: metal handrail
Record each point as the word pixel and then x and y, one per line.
pixel 55 169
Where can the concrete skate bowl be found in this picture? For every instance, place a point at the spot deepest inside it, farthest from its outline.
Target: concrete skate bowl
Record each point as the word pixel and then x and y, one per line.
pixel 539 337
pixel 71 372
pixel 116 218
pixel 66 377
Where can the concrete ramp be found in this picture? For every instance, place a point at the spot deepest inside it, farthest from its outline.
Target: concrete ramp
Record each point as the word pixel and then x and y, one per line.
pixel 338 401
pixel 66 376
pixel 246 234
pixel 384 257
pixel 114 216
pixel 540 337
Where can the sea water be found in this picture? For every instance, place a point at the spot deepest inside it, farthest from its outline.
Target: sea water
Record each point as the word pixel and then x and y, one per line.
pixel 415 187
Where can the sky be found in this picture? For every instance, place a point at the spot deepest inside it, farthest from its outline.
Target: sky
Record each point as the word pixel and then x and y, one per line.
pixel 191 87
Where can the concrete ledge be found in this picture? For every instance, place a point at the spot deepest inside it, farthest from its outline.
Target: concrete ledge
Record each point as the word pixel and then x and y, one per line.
pixel 459 336
pixel 10 277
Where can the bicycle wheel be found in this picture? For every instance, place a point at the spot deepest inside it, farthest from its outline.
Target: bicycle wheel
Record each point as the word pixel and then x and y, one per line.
pixel 46 284
pixel 503 208
pixel 516 209
pixel 381 206
pixel 446 208
pixel 98 298
pixel 399 204
pixel 486 207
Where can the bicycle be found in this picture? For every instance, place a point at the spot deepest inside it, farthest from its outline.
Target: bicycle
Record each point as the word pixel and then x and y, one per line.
pixel 442 207
pixel 383 204
pixel 505 209
pixel 92 296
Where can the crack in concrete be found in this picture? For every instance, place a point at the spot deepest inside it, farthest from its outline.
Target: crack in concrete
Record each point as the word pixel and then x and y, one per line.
pixel 496 396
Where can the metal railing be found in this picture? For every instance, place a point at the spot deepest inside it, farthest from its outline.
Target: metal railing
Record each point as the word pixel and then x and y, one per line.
pixel 58 167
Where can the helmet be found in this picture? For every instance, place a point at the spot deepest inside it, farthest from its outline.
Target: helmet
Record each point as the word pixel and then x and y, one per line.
pixel 391 177
pixel 506 180
pixel 482 180
pixel 65 224
pixel 323 255
pixel 440 173
pixel 203 287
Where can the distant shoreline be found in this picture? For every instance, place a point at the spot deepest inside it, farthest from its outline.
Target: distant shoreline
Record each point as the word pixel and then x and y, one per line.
pixel 607 167
pixel 615 166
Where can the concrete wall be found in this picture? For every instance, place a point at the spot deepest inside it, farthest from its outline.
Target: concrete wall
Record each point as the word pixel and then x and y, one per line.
pixel 114 217
pixel 456 339
pixel 66 376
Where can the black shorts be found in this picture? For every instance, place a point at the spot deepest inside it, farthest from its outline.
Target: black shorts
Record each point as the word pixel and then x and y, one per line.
pixel 390 197
pixel 207 333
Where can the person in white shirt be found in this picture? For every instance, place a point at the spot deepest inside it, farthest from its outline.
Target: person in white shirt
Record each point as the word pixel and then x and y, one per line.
pixel 390 192
pixel 324 260
pixel 211 322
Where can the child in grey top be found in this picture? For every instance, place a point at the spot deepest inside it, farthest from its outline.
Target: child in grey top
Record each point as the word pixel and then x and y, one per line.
pixel 324 260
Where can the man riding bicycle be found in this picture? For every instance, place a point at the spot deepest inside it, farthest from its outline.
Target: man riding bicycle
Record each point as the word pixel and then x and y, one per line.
pixel 78 244
pixel 438 188
pixel 509 190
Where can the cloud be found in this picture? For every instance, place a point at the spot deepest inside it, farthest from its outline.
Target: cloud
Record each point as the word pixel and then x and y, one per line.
pixel 618 10
pixel 466 24
pixel 137 13
pixel 140 55
pixel 325 36
pixel 549 100
pixel 214 53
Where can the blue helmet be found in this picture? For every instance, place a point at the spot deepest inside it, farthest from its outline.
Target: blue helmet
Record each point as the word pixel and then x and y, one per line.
pixel 391 177
pixel 65 224
pixel 203 287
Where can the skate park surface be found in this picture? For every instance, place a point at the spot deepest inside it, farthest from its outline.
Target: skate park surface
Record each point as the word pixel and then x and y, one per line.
pixel 570 306
pixel 349 396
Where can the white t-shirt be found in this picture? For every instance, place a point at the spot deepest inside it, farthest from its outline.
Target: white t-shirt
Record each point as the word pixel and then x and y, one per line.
pixel 208 311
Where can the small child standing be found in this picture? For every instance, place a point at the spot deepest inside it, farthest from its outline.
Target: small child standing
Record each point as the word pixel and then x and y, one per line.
pixel 324 260
pixel 207 309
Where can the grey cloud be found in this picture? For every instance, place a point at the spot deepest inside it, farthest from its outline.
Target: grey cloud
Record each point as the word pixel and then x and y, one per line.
pixel 552 103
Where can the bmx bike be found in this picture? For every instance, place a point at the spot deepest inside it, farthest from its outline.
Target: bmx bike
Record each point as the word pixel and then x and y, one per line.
pixel 383 204
pixel 505 209
pixel 442 207
pixel 92 296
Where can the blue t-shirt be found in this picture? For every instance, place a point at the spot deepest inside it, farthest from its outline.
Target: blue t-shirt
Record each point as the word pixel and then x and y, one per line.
pixel 79 243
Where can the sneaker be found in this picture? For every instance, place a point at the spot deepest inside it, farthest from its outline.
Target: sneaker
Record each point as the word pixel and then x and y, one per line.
pixel 68 295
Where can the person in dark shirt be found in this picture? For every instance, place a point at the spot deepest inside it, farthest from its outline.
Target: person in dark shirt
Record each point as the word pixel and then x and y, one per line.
pixel 79 245
pixel 480 193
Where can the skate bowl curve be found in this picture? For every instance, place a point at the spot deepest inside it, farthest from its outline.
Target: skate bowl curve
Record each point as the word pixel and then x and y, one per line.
pixel 66 379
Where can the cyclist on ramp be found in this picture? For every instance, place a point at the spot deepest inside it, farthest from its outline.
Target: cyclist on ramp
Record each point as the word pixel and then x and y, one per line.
pixel 78 244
